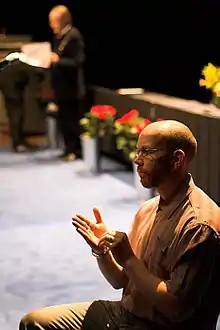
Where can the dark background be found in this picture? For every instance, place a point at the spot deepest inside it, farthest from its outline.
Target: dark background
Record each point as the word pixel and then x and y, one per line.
pixel 159 46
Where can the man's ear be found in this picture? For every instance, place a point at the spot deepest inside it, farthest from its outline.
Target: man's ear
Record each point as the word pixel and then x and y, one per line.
pixel 178 158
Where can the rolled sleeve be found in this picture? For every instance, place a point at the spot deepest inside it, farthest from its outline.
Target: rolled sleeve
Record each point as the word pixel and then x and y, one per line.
pixel 191 275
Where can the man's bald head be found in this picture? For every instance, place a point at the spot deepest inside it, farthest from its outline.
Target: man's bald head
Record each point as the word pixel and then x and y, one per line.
pixel 59 17
pixel 174 134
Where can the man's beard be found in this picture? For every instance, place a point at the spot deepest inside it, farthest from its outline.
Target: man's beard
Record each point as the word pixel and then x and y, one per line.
pixel 162 170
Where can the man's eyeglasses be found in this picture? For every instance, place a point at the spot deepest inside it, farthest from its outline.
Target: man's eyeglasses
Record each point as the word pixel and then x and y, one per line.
pixel 144 152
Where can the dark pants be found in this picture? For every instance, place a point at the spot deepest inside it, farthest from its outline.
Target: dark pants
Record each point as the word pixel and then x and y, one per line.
pixel 15 112
pixel 69 114
pixel 97 315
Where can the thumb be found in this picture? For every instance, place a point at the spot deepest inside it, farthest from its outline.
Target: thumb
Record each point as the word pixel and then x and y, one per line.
pixel 97 215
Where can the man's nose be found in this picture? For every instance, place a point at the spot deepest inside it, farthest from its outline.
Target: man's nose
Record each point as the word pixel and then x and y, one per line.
pixel 138 160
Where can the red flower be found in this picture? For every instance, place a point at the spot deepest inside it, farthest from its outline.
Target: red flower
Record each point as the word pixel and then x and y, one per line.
pixel 133 119
pixel 146 122
pixel 139 127
pixel 103 111
pixel 129 117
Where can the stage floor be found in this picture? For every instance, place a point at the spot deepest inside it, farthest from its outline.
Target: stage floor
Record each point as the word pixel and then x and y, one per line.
pixel 43 260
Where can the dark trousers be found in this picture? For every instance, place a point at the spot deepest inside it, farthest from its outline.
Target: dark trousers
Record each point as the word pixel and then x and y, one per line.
pixel 69 114
pixel 15 112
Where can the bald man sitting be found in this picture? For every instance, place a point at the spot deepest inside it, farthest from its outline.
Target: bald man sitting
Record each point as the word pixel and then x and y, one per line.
pixel 168 266
pixel 67 61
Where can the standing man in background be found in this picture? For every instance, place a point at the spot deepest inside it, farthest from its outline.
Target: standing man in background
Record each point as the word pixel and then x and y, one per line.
pixel 67 61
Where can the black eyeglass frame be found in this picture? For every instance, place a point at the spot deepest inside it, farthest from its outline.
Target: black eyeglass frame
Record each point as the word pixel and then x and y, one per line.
pixel 145 152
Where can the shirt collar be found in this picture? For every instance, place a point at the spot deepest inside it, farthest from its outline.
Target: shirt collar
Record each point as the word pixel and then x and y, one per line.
pixel 65 30
pixel 180 194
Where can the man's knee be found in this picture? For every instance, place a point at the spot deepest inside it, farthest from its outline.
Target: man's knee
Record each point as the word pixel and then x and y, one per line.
pixel 55 317
pixel 28 321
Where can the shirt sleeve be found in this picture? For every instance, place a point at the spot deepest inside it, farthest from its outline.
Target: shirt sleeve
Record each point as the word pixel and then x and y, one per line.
pixel 194 266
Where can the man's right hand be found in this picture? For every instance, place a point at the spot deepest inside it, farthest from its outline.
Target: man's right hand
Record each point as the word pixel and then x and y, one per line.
pixel 54 58
pixel 89 230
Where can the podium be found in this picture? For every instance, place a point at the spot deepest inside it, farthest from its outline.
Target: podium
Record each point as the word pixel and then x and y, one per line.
pixel 35 114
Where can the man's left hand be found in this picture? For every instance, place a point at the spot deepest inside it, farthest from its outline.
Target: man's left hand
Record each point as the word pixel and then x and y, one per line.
pixel 119 245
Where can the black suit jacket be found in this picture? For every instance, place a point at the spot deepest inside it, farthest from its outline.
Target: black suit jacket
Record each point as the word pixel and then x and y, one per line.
pixel 14 77
pixel 67 73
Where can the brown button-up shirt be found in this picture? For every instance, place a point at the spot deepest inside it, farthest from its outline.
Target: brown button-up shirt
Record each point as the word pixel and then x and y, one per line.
pixel 179 243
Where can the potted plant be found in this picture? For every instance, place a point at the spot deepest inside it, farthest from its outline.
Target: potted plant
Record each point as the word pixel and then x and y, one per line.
pixel 211 81
pixel 95 124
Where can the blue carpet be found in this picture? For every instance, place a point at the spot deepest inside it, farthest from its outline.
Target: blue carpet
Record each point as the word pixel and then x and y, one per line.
pixel 43 261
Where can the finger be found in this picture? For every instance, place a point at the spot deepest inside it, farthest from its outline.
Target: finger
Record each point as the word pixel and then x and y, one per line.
pixel 107 239
pixel 82 221
pixel 83 233
pixel 78 222
pixel 103 245
pixel 108 236
pixel 81 228
pixel 97 215
pixel 82 218
pixel 111 239
pixel 107 244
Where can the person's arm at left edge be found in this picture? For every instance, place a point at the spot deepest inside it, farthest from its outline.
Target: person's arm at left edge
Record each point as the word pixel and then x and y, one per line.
pixel 180 296
pixel 73 54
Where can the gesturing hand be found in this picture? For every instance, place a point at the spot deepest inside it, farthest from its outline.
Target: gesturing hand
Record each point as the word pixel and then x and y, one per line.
pixel 119 245
pixel 89 230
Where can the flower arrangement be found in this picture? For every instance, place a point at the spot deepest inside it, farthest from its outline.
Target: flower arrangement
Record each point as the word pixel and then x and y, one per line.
pixel 99 121
pixel 211 81
pixel 127 130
